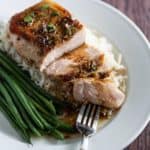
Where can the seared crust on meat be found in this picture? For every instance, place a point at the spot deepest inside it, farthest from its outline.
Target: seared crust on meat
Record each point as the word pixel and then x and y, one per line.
pixel 81 62
pixel 45 24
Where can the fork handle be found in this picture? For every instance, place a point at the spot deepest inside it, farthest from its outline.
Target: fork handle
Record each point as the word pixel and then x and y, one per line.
pixel 84 144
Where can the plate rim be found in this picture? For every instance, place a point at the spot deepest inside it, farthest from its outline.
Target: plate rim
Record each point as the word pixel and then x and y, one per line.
pixel 147 43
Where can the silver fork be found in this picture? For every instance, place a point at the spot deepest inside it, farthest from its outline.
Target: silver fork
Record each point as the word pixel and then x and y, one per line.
pixel 87 122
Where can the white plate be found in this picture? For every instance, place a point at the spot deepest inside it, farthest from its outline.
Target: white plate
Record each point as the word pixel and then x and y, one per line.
pixel 135 114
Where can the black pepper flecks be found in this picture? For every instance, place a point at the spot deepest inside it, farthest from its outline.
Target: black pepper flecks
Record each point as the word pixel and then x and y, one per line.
pixel 44 25
pixel 67 25
pixel 46 41
pixel 103 75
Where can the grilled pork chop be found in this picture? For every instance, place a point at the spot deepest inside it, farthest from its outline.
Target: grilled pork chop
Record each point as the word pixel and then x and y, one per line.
pixel 44 32
pixel 86 75
pixel 88 90
pixel 47 39
pixel 77 63
pixel 98 92
pixel 82 62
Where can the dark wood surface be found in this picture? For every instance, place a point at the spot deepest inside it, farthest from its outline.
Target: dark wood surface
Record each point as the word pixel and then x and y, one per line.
pixel 139 12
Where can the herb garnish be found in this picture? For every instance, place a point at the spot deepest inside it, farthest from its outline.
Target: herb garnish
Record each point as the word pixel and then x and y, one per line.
pixel 51 27
pixel 54 13
pixel 68 31
pixel 32 14
pixel 28 19
pixel 45 7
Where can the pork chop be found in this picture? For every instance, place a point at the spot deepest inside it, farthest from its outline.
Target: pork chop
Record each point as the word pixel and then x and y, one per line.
pixel 44 32
pixel 77 63
pixel 89 90
pixel 99 92
pixel 84 61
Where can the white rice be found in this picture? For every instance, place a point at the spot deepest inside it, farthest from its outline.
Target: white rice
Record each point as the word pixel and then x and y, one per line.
pixel 100 42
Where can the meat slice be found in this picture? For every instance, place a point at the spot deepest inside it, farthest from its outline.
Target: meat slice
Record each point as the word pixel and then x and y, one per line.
pixel 99 92
pixel 84 61
pixel 44 32
pixel 89 90
pixel 80 62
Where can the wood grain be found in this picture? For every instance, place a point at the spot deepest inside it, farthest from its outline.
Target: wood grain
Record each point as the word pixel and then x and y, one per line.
pixel 139 12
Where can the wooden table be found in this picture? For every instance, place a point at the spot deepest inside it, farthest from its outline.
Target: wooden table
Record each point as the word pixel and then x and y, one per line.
pixel 139 12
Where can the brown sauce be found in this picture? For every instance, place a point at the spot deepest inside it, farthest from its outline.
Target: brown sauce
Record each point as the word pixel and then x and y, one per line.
pixel 70 115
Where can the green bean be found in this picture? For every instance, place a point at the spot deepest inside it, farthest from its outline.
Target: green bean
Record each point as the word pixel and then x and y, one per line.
pixel 43 121
pixel 34 100
pixel 16 70
pixel 49 104
pixel 57 134
pixel 22 111
pixel 20 94
pixel 60 125
pixel 28 88
pixel 23 133
pixel 25 104
pixel 39 107
pixel 11 104
pixel 65 127
pixel 53 120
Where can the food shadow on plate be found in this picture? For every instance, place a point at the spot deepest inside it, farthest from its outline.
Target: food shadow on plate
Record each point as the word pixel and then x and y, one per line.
pixel 72 144
pixel 53 141
pixel 6 129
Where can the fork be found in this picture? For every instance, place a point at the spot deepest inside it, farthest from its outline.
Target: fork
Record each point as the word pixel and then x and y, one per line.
pixel 87 122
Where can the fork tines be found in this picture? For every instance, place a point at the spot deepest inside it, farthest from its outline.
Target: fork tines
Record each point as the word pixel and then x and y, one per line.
pixel 88 117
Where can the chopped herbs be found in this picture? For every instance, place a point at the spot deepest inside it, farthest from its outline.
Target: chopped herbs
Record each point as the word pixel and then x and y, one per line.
pixel 68 27
pixel 93 66
pixel 51 27
pixel 28 19
pixel 47 21
pixel 103 75
pixel 45 7
pixel 68 31
pixel 54 13
pixel 32 14
pixel 73 29
pixel 43 15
